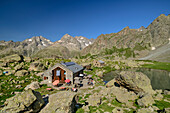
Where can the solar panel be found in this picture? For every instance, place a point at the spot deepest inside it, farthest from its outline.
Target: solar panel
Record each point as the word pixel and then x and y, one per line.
pixel 69 63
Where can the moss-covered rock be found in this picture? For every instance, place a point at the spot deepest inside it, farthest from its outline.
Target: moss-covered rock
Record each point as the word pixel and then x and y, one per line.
pixel 26 101
pixel 61 102
pixel 135 81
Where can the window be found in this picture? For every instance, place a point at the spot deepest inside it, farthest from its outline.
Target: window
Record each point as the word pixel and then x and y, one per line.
pixel 58 73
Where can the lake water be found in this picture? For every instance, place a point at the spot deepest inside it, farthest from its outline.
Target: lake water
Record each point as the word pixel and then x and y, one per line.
pixel 160 79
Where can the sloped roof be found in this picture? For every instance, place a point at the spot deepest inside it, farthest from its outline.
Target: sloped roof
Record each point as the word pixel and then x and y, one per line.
pixel 69 65
pixel 72 66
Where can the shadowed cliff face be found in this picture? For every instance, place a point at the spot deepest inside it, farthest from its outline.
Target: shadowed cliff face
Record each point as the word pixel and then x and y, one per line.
pixel 155 35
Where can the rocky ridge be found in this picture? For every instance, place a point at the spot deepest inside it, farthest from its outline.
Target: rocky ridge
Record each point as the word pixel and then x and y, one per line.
pixel 138 41
pixel 27 47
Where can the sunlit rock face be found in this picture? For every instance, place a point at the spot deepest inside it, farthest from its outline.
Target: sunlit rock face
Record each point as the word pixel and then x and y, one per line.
pixel 27 47
pixel 141 40
pixel 74 43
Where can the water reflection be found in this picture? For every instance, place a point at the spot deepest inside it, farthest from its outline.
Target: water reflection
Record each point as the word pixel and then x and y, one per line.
pixel 160 79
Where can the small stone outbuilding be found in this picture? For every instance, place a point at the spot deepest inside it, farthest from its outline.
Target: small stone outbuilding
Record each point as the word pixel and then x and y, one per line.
pixel 61 72
pixel 98 63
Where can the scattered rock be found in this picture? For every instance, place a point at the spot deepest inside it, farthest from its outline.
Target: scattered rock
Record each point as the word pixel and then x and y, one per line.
pixel 167 110
pixel 47 63
pixel 13 58
pixel 37 66
pixel 40 74
pixel 146 100
pixel 18 86
pixel 22 73
pixel 117 67
pixel 135 81
pixel 158 91
pixel 19 66
pixel 33 86
pixel 166 92
pixel 27 59
pixel 26 101
pixel 111 83
pixel 16 93
pixel 1 72
pixel 117 110
pixel 61 102
pixel 22 81
pixel 158 97
pixel 86 109
pixel 145 110
pixel 94 99
pixel 100 74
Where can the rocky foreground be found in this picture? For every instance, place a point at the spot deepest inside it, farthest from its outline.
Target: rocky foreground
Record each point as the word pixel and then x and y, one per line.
pixel 128 92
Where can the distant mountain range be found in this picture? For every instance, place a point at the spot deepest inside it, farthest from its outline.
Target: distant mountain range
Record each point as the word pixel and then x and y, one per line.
pixel 42 47
pixel 128 43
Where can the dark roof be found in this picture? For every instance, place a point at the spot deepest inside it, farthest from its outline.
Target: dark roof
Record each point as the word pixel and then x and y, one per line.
pixel 68 63
pixel 73 66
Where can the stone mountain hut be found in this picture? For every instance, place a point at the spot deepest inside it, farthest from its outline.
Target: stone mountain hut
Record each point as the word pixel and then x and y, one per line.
pixel 62 71
pixel 98 63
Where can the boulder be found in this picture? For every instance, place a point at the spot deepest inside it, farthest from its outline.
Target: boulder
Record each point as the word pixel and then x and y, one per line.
pixel 19 66
pixel 13 58
pixel 26 101
pixel 27 59
pixel 135 81
pixel 94 99
pixel 61 102
pixel 1 72
pixel 158 91
pixel 33 86
pixel 3 64
pixel 22 73
pixel 166 92
pixel 117 110
pixel 111 83
pixel 18 86
pixel 145 110
pixel 100 74
pixel 117 67
pixel 40 74
pixel 158 97
pixel 37 66
pixel 145 101
pixel 167 110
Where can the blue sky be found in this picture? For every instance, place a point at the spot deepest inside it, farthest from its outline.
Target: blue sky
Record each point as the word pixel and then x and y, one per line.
pixel 22 19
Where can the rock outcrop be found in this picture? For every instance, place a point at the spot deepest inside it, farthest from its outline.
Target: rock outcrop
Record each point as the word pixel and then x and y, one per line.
pixel 27 47
pixel 138 41
pixel 33 86
pixel 61 102
pixel 145 101
pixel 135 81
pixel 13 58
pixel 27 101
pixel 94 100
pixel 22 73
pixel 36 66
